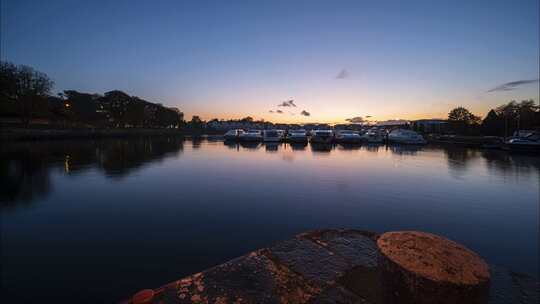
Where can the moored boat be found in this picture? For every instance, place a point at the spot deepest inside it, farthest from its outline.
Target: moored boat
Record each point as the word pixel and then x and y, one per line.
pixel 233 134
pixel 297 136
pixel 348 137
pixel 373 136
pixel 530 143
pixel 272 136
pixel 322 136
pixel 251 135
pixel 404 136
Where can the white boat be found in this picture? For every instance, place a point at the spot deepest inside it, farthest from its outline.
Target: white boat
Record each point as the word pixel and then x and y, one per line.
pixel 298 136
pixel 404 136
pixel 272 135
pixel 528 143
pixel 348 137
pixel 251 135
pixel 233 134
pixel 322 136
pixel 373 136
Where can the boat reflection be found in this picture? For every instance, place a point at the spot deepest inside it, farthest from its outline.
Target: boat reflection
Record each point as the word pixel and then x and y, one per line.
pixel 321 147
pixel 298 146
pixel 271 146
pixel 26 167
pixel 250 145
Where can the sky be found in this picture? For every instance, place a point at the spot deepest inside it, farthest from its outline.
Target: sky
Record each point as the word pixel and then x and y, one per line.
pixel 335 59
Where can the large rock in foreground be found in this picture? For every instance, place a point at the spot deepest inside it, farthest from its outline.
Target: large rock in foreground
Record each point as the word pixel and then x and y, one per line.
pixel 422 268
pixel 349 266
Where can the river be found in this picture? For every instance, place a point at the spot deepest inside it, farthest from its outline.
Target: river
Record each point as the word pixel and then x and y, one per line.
pixel 97 220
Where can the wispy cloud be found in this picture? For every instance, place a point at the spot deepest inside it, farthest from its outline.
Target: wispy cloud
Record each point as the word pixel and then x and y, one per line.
pixel 509 86
pixel 279 111
pixel 357 119
pixel 271 111
pixel 342 74
pixel 287 103
pixel 305 113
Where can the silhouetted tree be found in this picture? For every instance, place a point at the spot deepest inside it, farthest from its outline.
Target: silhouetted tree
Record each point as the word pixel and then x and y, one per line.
pixel 493 124
pixel 82 107
pixel 117 103
pixel 516 116
pixel 247 119
pixel 25 88
pixel 463 121
pixel 196 123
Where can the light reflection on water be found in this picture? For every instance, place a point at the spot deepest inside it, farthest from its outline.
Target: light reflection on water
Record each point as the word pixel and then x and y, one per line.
pixel 102 219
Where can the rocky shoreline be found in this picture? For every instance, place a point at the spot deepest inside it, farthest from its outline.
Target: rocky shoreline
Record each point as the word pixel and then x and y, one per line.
pixel 347 266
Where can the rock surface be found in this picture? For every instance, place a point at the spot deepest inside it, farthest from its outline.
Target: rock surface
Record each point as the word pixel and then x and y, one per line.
pixel 324 266
pixel 421 267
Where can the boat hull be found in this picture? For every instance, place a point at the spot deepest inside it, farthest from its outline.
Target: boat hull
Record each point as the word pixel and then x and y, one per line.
pixel 523 148
pixel 406 141
pixel 346 140
pixel 251 138
pixel 322 139
pixel 297 139
pixel 230 137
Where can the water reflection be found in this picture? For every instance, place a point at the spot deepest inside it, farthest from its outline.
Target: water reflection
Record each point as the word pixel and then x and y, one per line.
pixel 405 149
pixel 213 201
pixel 196 142
pixel 250 145
pixel 25 167
pixel 232 145
pixel 348 147
pixel 321 148
pixel 298 146
pixel 372 147
pixel 24 178
pixel 271 147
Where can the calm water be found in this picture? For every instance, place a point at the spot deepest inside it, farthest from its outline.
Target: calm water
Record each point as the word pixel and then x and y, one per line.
pixel 95 221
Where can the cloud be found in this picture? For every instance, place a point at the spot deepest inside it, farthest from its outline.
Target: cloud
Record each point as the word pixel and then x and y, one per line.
pixel 288 103
pixel 509 86
pixel 342 74
pixel 270 111
pixel 357 119
pixel 279 111
pixel 305 113
pixel 368 116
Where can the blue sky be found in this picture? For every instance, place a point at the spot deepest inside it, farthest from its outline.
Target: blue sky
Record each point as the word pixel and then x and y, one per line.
pixel 228 59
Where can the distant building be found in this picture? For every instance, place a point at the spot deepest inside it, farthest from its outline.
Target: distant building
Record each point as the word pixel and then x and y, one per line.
pixel 430 125
pixel 393 123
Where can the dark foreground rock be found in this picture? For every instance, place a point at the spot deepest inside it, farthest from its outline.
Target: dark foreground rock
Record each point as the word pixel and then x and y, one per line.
pixel 326 266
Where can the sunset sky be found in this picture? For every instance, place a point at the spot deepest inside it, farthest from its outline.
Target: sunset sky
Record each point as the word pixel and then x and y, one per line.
pixel 335 59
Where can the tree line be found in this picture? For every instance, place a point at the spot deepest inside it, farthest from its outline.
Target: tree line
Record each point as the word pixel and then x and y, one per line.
pixel 25 94
pixel 501 121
